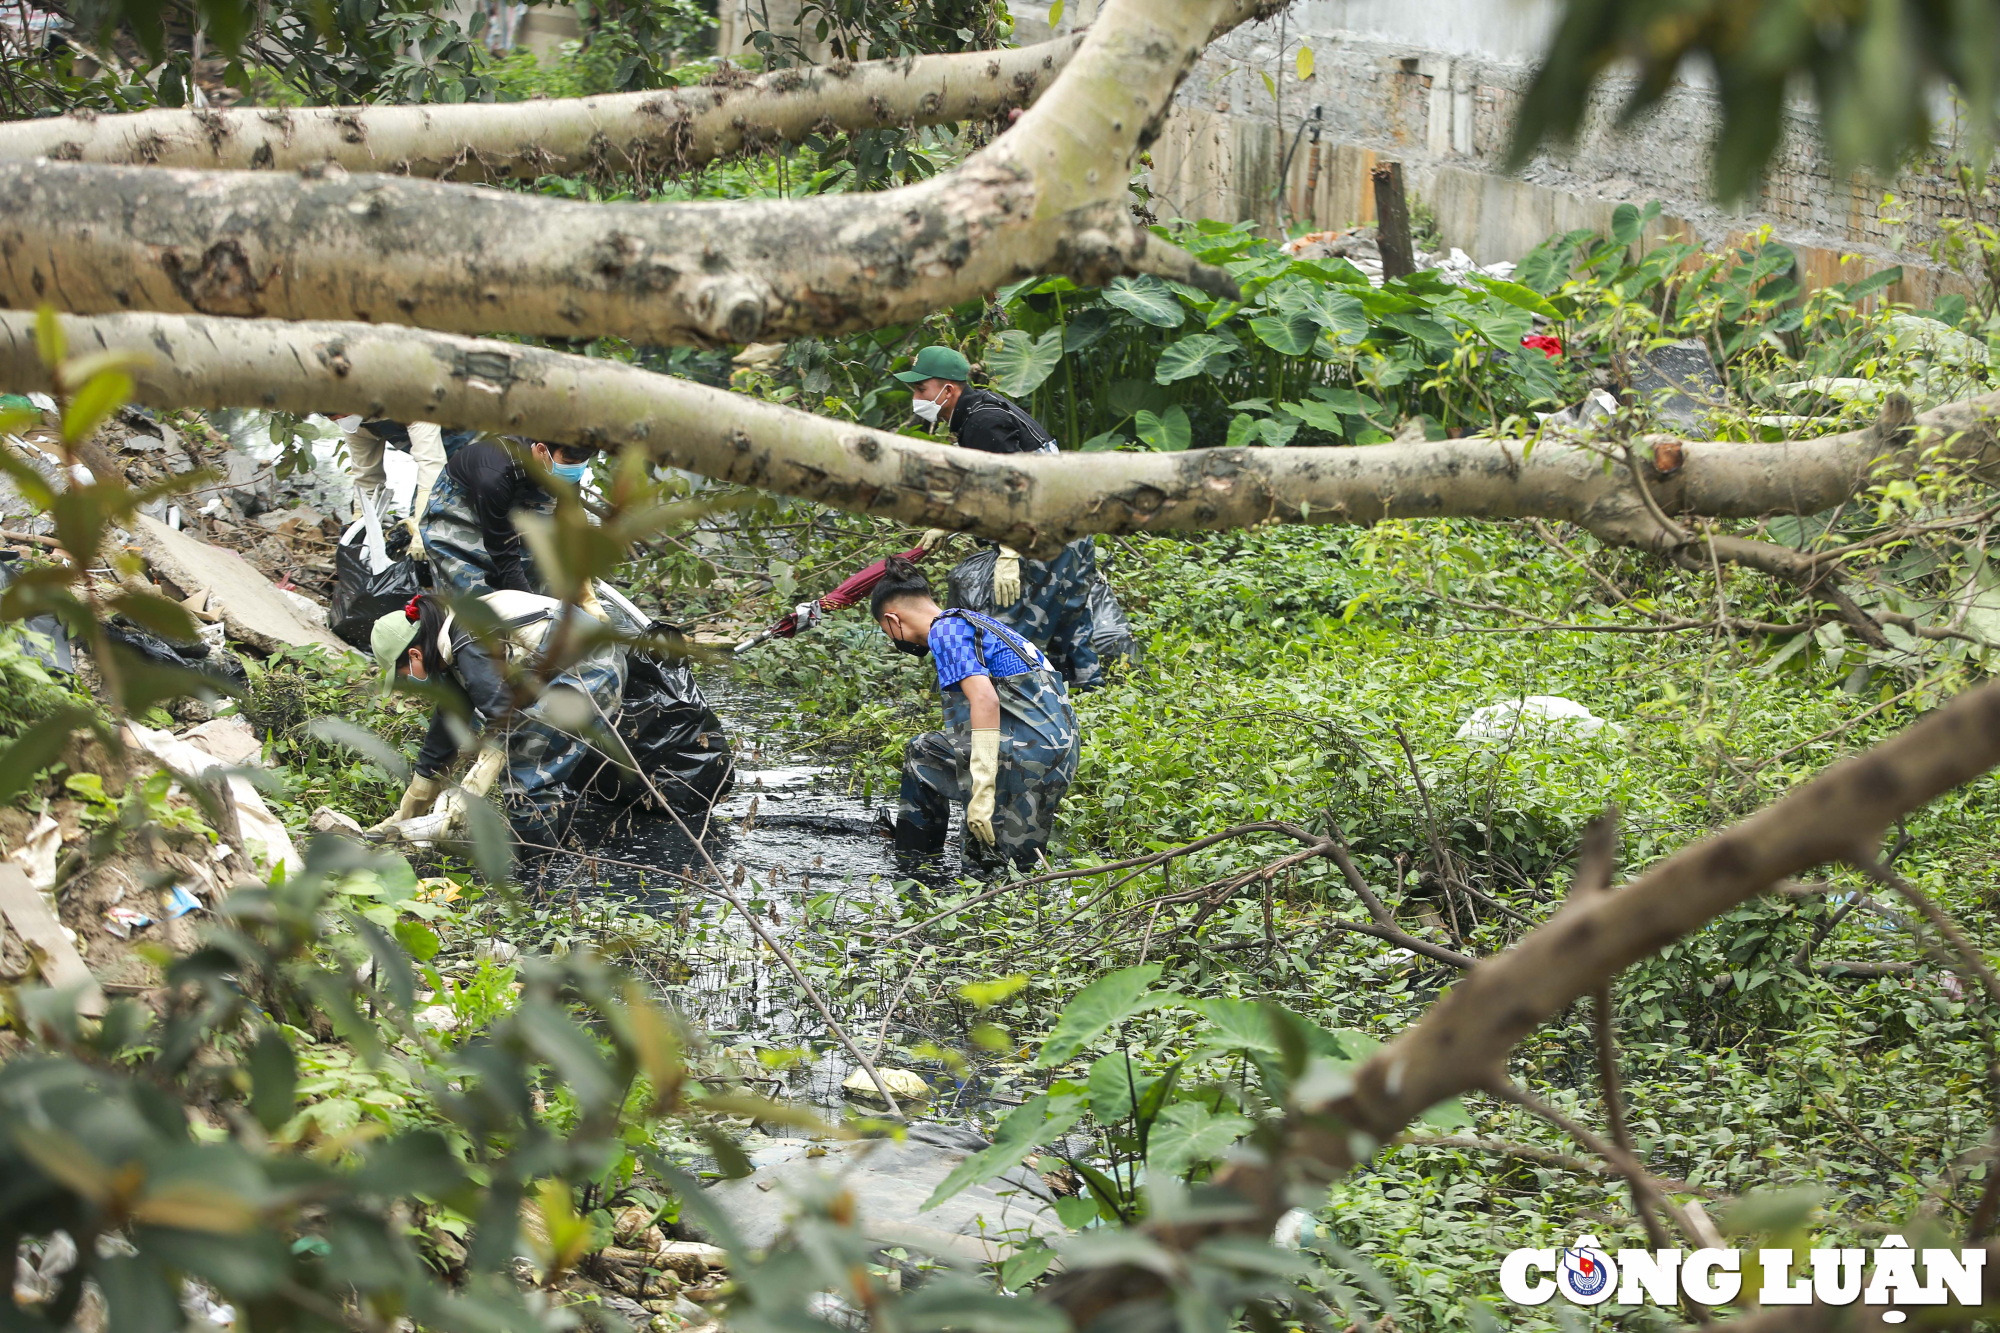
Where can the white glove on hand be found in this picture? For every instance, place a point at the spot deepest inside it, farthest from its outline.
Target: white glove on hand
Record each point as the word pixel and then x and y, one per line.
pixel 416 551
pixel 933 538
pixel 417 798
pixel 985 780
pixel 480 780
pixel 1007 578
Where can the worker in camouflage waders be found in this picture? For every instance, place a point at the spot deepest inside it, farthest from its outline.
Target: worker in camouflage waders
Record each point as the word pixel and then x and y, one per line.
pixel 540 753
pixel 1047 601
pixel 468 526
pixel 1008 749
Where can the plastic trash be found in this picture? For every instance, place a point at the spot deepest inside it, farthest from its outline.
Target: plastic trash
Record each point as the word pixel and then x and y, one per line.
pixel 368 580
pixel 1110 628
pixel 1531 718
pixel 674 736
pixel 42 636
pixel 970 582
pixel 215 663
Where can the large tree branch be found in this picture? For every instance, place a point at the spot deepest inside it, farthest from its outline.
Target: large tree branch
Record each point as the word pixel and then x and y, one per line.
pixel 670 129
pixel 1032 502
pixel 1465 1039
pixel 1048 197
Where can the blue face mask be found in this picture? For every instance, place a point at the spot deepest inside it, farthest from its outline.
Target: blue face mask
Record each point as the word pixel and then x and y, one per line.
pixel 573 473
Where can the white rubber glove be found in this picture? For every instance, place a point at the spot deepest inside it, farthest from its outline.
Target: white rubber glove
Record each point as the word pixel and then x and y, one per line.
pixel 933 538
pixel 417 798
pixel 1007 577
pixel 985 781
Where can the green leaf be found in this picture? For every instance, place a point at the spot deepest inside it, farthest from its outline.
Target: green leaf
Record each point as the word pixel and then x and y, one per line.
pixel 1625 224
pixel 569 1050
pixel 1020 364
pixel 1025 1128
pixel 986 994
pixel 1196 354
pixel 1292 334
pixel 417 1162
pixel 36 750
pixel 274 1079
pixel 1113 1079
pixel 1270 85
pixel 1243 430
pixel 1277 434
pixel 950 1302
pixel 1110 439
pixel 1322 416
pixel 1147 298
pixel 1305 63
pixel 1168 432
pixel 137 1295
pixel 50 342
pixel 1515 294
pixel 419 939
pixel 392 965
pixel 1346 401
pixel 1112 998
pixel 101 395
pixel 1055 15
pixel 169 620
pixel 1236 1025
pixel 1188 1134
pixel 1025 1266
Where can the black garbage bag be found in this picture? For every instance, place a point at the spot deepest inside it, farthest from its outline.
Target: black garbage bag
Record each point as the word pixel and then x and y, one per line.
pixel 218 665
pixel 1110 629
pixel 674 735
pixel 970 582
pixel 45 639
pixel 361 597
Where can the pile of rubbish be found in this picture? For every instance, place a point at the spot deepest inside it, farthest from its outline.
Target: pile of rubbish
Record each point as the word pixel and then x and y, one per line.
pixel 1358 246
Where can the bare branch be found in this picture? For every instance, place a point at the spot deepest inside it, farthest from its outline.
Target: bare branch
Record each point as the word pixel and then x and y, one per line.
pixel 669 129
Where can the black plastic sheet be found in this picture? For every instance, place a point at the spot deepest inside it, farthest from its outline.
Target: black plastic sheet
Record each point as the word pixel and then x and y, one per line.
pixel 217 664
pixel 970 585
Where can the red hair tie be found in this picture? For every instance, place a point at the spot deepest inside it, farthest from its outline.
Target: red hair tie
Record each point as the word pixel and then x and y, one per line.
pixel 410 610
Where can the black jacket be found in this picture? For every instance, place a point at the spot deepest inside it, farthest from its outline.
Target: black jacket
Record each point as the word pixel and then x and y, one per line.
pixel 495 485
pixel 482 690
pixel 993 424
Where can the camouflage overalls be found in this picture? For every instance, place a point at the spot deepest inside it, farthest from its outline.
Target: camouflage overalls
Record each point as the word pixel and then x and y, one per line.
pixel 1038 751
pixel 460 562
pixel 1054 611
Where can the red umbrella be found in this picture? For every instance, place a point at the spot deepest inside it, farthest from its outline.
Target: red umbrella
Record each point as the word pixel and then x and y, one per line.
pixel 857 586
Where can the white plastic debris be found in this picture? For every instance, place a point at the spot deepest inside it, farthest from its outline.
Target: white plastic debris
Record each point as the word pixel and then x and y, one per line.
pixel 1531 718
pixel 37 853
pixel 264 837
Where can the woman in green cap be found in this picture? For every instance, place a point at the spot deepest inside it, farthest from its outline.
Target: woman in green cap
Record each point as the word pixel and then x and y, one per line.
pixel 535 724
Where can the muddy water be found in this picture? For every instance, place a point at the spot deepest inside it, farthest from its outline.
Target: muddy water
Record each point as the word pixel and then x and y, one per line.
pixel 806 833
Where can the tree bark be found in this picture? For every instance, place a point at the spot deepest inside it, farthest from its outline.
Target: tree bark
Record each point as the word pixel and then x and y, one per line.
pixel 1463 1042
pixel 1032 502
pixel 1392 222
pixel 1048 197
pixel 664 130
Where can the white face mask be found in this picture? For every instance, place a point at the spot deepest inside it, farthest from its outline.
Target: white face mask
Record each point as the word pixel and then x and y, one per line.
pixel 927 409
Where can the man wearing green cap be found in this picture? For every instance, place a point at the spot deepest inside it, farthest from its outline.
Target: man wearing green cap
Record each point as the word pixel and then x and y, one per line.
pixel 1047 602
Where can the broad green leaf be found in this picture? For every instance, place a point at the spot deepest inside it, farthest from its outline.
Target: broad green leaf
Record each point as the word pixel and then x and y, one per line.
pixel 1055 15
pixel 339 731
pixel 1276 434
pixel 1025 1266
pixel 1305 62
pixel 1293 334
pixel 1346 401
pixel 1270 84
pixel 1169 432
pixel 1112 998
pixel 1188 1134
pixel 1320 415
pixel 169 620
pixel 1020 364
pixel 1242 430
pixel 1026 1128
pixel 1113 1081
pixel 1110 439
pixel 1515 294
pixel 50 341
pixel 1147 298
pixel 1196 354
pixel 1625 224
pixel 954 1303
pixel 1236 1025
pixel 274 1078
pixel 137 1295
pixel 419 939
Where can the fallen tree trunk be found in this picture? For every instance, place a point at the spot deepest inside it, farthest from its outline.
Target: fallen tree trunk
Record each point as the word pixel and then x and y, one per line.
pixel 663 130
pixel 1033 502
pixel 1464 1041
pixel 1050 196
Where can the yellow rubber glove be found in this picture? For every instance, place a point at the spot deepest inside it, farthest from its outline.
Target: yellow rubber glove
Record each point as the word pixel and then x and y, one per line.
pixel 933 538
pixel 985 781
pixel 416 551
pixel 1007 578
pixel 477 783
pixel 417 798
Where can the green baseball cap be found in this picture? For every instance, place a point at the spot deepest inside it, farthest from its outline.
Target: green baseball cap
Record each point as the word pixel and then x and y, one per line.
pixel 391 637
pixel 937 363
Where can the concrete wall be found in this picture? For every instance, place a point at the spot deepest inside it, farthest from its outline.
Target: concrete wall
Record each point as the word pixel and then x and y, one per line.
pixel 1434 84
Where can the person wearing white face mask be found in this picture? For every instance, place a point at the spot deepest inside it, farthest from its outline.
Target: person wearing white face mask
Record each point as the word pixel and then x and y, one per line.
pixel 1047 602
pixel 468 528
